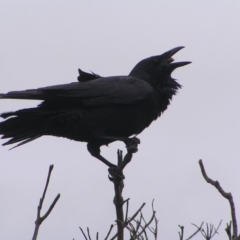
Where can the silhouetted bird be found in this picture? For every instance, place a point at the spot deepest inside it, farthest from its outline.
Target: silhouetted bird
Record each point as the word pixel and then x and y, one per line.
pixel 97 110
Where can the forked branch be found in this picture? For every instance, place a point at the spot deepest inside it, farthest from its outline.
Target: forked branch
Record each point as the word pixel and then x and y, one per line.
pixel 226 195
pixel 40 219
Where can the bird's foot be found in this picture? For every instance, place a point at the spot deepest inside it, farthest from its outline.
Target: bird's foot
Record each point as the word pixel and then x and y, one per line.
pixel 115 174
pixel 132 144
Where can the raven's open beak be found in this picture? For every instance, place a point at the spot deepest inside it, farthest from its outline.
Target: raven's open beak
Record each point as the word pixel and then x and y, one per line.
pixel 169 60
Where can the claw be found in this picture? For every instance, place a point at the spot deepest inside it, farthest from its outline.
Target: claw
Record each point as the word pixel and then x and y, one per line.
pixel 132 144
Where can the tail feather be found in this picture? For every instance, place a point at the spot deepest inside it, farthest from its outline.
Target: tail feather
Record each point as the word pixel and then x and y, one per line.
pixel 18 139
pixel 24 142
pixel 23 126
pixel 34 94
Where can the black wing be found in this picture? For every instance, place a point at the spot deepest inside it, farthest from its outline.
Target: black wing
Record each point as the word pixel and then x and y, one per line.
pixel 99 92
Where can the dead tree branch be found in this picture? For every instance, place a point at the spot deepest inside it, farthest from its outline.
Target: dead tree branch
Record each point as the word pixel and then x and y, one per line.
pixel 198 230
pixel 210 232
pixel 181 233
pixel 88 237
pixel 226 195
pixel 40 219
pixel 111 227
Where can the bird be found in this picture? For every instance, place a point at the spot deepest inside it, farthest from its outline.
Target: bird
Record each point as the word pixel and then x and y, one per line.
pixel 96 110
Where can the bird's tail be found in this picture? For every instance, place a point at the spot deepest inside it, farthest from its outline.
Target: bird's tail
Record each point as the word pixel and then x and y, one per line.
pixel 34 94
pixel 22 126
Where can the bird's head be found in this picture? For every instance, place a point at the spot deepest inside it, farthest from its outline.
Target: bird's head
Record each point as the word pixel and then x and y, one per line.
pixel 157 68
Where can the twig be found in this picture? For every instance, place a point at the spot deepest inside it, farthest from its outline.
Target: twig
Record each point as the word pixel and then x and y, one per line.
pixel 130 219
pixel 131 229
pixel 181 232
pixel 152 230
pixel 229 231
pixel 126 214
pixel 145 234
pixel 83 233
pixel 138 224
pixel 135 214
pixel 216 230
pixel 88 234
pixel 156 228
pixel 146 226
pixel 226 195
pixel 198 229
pixel 155 232
pixel 50 208
pixel 40 219
pixel 111 227
pixel 211 231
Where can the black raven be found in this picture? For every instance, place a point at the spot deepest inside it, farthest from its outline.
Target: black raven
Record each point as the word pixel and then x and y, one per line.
pixel 97 110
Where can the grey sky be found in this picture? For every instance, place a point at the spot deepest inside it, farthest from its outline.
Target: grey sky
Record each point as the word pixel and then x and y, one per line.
pixel 45 42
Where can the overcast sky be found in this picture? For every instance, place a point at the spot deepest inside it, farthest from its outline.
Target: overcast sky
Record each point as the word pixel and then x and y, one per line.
pixel 44 43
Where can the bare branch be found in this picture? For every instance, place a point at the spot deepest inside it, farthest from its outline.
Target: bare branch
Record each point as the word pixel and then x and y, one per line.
pixel 50 208
pixel 145 233
pixel 88 234
pixel 156 228
pixel 216 230
pixel 228 230
pixel 126 214
pixel 181 232
pixel 226 195
pixel 147 225
pixel 135 214
pixel 111 227
pixel 129 220
pixel 138 223
pixel 40 219
pixel 83 233
pixel 198 230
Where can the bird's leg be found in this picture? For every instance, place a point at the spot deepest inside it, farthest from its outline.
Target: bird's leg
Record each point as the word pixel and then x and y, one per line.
pixel 94 150
pixel 115 171
pixel 131 143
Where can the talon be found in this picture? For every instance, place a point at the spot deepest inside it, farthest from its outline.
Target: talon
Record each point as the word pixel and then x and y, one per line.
pixel 137 140
pixel 132 144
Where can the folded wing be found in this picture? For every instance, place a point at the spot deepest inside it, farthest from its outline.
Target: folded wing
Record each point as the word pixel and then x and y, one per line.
pixel 99 92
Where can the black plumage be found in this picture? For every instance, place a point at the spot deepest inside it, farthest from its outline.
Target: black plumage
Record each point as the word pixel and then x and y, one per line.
pixel 97 110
